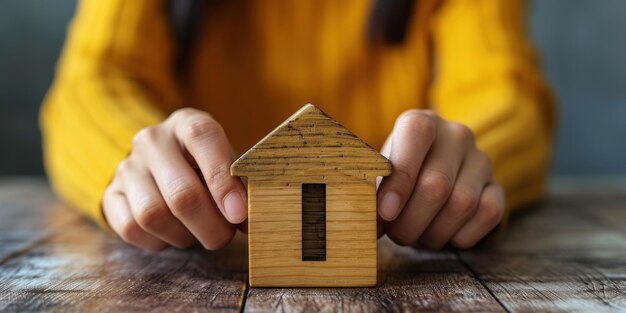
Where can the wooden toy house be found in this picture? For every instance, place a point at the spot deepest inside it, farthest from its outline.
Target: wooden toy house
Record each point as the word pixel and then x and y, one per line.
pixel 312 204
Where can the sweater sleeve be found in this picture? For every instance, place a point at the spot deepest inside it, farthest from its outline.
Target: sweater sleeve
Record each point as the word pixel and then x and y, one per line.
pixel 487 77
pixel 114 78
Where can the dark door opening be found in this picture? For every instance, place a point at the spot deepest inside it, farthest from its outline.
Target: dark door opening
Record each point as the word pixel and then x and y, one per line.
pixel 313 222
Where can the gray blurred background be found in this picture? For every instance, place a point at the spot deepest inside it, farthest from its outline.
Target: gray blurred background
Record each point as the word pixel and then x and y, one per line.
pixel 583 45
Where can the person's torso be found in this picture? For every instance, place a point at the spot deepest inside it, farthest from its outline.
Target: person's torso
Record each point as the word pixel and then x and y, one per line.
pixel 256 62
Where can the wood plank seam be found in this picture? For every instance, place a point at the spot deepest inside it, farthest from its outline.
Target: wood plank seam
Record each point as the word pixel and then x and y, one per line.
pixel 244 296
pixel 479 279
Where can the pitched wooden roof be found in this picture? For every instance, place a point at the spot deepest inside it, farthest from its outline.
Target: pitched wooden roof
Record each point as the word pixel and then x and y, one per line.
pixel 310 143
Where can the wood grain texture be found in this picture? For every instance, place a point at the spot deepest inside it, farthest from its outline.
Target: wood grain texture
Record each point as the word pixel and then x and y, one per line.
pixel 275 241
pixel 410 281
pixel 311 146
pixel 525 283
pixel 65 264
pixel 21 200
pixel 567 255
pixel 99 273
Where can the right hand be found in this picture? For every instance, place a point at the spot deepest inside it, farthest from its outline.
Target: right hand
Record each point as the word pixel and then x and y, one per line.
pixel 175 186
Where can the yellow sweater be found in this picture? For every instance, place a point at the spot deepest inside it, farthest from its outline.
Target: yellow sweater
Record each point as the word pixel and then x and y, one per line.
pixel 256 62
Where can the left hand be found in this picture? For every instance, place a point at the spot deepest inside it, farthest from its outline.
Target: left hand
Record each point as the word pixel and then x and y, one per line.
pixel 442 187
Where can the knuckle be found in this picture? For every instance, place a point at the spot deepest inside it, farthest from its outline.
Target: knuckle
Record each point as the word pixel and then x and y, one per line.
pixel 203 128
pixel 108 192
pixel 151 214
pixel 124 167
pixel 155 248
pixel 183 113
pixel 426 112
pixel 403 176
pixel 129 231
pixel 492 211
pixel 432 244
pixel 461 132
pixel 186 242
pixel 219 241
pixel 485 162
pixel 218 177
pixel 183 199
pixel 462 243
pixel 145 135
pixel 435 186
pixel 401 237
pixel 419 122
pixel 462 202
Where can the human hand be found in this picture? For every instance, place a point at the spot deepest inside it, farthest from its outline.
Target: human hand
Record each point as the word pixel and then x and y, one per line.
pixel 175 186
pixel 442 187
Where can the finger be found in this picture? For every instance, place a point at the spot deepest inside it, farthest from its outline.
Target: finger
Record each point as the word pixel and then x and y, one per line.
pixel 150 210
pixel 206 141
pixel 182 190
pixel 434 184
pixel 380 223
pixel 117 213
pixel 412 137
pixel 243 226
pixel 489 214
pixel 475 173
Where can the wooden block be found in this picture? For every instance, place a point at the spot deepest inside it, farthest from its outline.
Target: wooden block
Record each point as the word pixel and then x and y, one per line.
pixel 311 204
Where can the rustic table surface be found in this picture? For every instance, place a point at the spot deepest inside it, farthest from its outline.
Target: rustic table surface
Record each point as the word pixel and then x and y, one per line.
pixel 568 254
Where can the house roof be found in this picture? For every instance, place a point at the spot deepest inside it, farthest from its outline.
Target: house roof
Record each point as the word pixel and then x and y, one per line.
pixel 311 144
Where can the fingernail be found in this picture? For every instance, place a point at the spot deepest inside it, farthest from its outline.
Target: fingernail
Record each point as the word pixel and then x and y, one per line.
pixel 390 206
pixel 235 207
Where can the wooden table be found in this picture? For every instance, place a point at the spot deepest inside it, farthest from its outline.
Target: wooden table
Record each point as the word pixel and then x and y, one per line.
pixel 568 254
